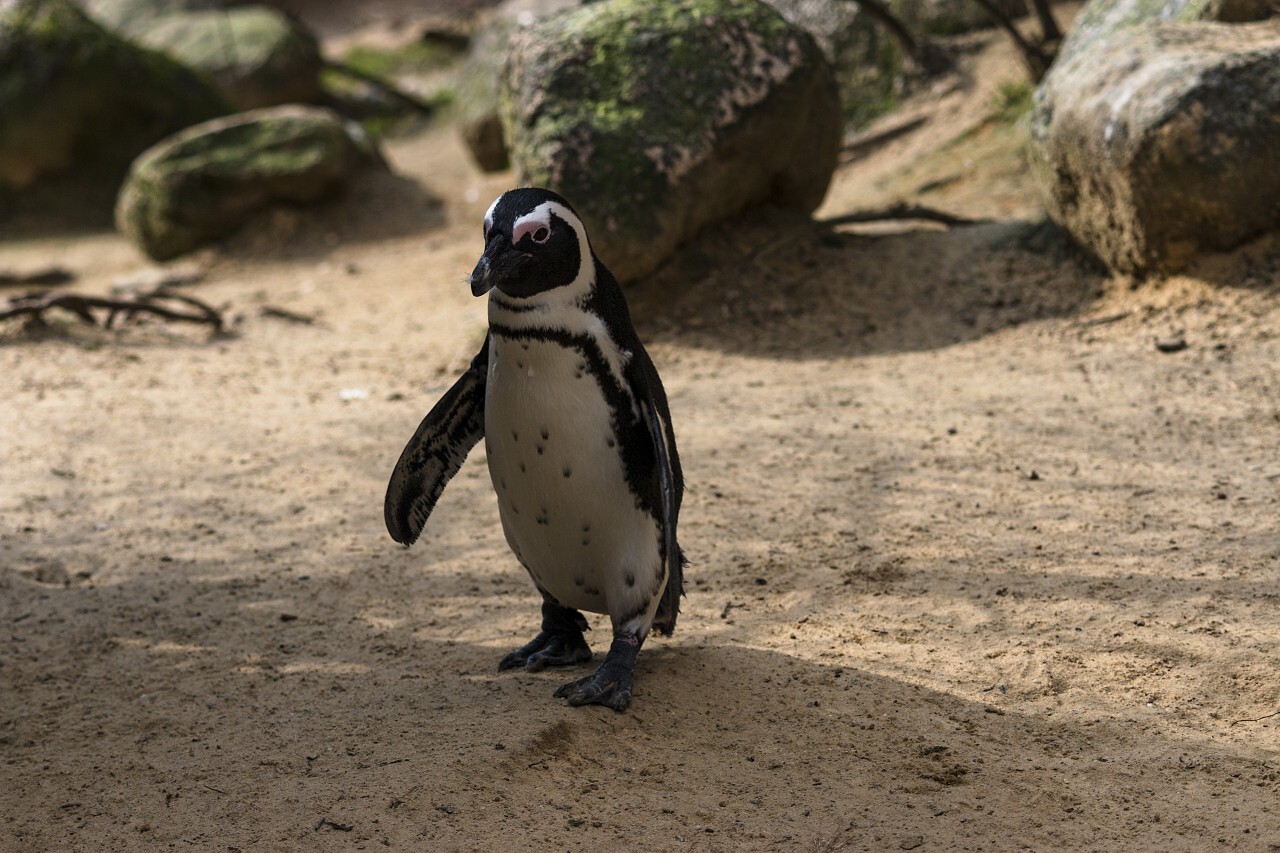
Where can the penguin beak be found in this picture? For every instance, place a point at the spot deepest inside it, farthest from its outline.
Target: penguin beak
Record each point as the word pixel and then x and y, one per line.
pixel 481 280
pixel 499 263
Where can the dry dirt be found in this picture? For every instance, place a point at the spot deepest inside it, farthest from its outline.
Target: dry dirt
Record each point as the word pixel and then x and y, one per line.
pixel 975 565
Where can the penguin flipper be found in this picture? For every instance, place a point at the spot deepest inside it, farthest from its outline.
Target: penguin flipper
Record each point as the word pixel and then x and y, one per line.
pixel 653 410
pixel 435 453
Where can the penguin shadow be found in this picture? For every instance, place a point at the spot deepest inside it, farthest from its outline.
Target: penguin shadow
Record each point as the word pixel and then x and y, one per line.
pixel 772 283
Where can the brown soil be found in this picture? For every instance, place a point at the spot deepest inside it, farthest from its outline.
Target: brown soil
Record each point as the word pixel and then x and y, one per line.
pixel 975 565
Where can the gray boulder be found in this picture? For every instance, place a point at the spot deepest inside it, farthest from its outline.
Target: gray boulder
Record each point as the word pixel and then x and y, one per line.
pixel 478 79
pixel 199 184
pixel 257 56
pixel 1103 17
pixel 128 18
pixel 1158 140
pixel 72 93
pixel 657 120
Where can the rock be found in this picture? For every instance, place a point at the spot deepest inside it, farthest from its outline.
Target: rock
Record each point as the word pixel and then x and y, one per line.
pixel 479 76
pixel 128 18
pixel 199 184
pixel 258 56
pixel 1158 140
pixel 656 120
pixel 1103 17
pixel 73 93
pixel 952 17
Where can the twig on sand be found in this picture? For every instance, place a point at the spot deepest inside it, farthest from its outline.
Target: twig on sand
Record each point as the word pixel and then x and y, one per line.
pixel 285 314
pixel 160 303
pixel 1258 719
pixel 341 827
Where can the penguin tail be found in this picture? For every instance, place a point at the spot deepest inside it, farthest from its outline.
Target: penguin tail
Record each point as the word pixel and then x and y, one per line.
pixel 669 607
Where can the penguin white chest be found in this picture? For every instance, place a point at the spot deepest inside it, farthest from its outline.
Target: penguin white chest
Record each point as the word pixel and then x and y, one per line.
pixel 566 507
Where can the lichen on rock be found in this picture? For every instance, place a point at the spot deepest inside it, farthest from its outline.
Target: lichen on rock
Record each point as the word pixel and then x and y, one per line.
pixel 199 184
pixel 72 93
pixel 656 119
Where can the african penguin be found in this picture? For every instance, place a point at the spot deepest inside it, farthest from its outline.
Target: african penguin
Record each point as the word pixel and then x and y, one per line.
pixel 579 443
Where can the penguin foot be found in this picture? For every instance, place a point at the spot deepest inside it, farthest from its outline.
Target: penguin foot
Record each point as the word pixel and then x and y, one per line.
pixel 610 685
pixel 549 648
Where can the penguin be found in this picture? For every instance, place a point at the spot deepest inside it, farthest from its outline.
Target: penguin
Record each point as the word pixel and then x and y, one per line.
pixel 579 442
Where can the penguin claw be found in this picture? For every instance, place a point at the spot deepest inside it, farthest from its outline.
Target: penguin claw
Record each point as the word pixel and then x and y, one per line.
pixel 548 649
pixel 598 689
pixel 610 685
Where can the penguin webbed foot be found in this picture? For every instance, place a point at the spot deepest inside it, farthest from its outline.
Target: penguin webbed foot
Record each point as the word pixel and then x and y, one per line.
pixel 559 643
pixel 549 648
pixel 610 684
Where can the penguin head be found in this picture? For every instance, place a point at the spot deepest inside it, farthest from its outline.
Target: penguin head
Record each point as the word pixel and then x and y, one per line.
pixel 533 242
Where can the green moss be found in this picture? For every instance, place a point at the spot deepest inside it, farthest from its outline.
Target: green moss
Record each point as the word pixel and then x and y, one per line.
pixel 1011 101
pixel 411 58
pixel 639 77
pixel 63 79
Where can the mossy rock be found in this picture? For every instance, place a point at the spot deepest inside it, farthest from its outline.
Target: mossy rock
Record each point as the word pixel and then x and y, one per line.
pixel 479 79
pixel 258 56
pixel 1158 141
pixel 658 119
pixel 128 18
pixel 1102 17
pixel 198 185
pixel 72 93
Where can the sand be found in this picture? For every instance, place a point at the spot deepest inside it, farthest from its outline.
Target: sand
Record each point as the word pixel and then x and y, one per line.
pixel 975 564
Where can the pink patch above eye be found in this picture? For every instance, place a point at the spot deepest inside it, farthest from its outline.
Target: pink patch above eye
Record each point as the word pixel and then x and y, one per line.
pixel 540 230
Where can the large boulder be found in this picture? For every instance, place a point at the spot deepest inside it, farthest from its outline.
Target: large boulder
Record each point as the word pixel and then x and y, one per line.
pixel 1157 140
pixel 73 93
pixel 657 119
pixel 478 79
pixel 1101 18
pixel 258 56
pixel 131 17
pixel 199 184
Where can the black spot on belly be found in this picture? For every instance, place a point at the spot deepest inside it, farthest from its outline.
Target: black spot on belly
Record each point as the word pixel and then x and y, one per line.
pixel 522 468
pixel 591 590
pixel 586 527
pixel 545 434
pixel 540 449
pixel 519 365
pixel 515 510
pixel 609 441
pixel 631 578
pixel 567 473
pixel 578 581
pixel 515 435
pixel 586 540
pixel 542 517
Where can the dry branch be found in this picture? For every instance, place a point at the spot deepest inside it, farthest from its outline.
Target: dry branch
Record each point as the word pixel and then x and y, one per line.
pixel 160 303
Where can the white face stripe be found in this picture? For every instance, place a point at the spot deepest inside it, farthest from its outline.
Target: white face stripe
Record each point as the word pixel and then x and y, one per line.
pixel 488 215
pixel 539 217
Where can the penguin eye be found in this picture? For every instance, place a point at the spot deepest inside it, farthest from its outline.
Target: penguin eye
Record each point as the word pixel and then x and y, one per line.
pixel 542 234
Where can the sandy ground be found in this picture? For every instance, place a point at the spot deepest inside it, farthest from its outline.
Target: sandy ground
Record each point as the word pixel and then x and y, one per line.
pixel 975 565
